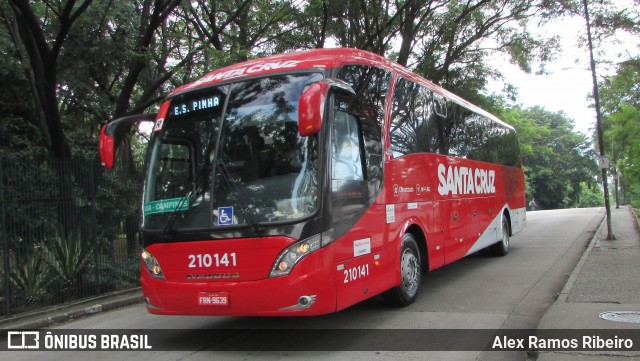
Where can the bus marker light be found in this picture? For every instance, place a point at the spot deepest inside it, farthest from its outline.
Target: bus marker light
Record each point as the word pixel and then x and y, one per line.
pixel 304 248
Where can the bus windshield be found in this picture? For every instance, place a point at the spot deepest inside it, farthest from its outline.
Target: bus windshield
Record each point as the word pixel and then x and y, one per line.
pixel 246 166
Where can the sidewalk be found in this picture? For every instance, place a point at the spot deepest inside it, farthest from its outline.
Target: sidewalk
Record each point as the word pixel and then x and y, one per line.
pixel 606 280
pixel 70 311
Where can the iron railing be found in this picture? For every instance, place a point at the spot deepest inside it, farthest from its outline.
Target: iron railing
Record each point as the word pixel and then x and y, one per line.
pixel 68 230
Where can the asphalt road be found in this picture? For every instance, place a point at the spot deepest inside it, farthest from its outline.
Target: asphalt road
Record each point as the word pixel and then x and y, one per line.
pixel 477 292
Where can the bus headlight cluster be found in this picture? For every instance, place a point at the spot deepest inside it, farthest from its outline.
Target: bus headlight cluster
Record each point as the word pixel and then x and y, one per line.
pixel 293 254
pixel 152 265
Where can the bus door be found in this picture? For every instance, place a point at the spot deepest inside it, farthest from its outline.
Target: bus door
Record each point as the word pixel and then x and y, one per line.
pixel 362 264
pixel 359 226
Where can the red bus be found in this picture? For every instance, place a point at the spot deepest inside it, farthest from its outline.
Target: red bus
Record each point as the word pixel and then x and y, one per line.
pixel 303 183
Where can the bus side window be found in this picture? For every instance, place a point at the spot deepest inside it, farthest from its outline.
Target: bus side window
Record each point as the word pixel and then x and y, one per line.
pixel 441 127
pixel 403 128
pixel 346 158
pixel 368 105
pixel 451 130
pixel 412 120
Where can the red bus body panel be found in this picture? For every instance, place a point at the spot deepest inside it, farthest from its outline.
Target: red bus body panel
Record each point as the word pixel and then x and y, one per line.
pixel 249 289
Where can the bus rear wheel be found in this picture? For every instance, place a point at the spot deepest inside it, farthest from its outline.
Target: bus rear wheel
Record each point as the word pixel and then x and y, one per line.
pixel 410 275
pixel 501 248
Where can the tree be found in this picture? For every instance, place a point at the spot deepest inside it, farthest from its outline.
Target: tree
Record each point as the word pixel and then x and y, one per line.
pixel 91 61
pixel 412 20
pixel 39 32
pixel 122 62
pixel 19 134
pixel 236 30
pixel 558 162
pixel 82 55
pixel 446 41
pixel 365 24
pixel 452 49
pixel 620 96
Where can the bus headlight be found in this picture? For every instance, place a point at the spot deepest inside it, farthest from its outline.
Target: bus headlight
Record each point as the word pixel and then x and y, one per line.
pixel 288 258
pixel 152 265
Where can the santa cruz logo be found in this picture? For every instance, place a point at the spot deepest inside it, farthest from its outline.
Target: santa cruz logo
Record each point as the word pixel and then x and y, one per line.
pixel 257 68
pixel 465 180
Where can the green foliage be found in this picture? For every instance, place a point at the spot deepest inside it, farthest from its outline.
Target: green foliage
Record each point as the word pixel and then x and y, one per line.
pixel 590 196
pixel 462 35
pixel 112 58
pixel 114 274
pixel 30 276
pixel 620 96
pixel 559 163
pixel 53 235
pixel 19 134
pixel 66 254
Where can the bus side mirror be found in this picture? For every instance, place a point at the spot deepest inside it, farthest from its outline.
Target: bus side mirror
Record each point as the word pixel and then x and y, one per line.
pixel 311 109
pixel 112 134
pixel 312 103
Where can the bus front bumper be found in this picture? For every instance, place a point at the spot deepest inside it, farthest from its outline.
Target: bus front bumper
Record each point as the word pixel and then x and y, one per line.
pixel 308 290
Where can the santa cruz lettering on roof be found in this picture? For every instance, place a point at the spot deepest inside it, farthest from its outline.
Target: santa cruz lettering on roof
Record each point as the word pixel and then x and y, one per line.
pixel 465 180
pixel 247 70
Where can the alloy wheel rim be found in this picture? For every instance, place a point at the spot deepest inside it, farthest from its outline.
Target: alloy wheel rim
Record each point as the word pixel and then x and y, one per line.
pixel 409 270
pixel 505 237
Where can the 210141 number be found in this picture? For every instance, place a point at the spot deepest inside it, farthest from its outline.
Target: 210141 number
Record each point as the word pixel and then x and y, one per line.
pixel 207 260
pixel 355 273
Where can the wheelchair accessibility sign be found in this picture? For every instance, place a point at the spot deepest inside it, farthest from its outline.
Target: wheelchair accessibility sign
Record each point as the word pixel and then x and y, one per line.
pixel 225 216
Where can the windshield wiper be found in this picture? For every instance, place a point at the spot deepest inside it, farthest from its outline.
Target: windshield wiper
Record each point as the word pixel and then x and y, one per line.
pixel 195 189
pixel 173 215
pixel 247 212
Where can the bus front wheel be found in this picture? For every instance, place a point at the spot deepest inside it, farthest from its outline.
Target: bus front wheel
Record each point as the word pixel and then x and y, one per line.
pixel 410 275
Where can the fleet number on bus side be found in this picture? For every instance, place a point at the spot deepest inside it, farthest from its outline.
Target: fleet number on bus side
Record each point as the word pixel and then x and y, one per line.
pixel 355 273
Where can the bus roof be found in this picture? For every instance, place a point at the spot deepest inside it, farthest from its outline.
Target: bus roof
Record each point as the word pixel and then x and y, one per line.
pixel 321 59
pixel 306 59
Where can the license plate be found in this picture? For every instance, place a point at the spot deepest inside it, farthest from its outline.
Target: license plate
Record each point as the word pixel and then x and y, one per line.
pixel 213 299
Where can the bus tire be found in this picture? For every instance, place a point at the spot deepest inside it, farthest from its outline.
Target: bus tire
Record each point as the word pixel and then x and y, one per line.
pixel 501 248
pixel 410 275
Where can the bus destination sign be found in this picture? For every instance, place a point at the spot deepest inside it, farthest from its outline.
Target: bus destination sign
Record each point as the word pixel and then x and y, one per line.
pixel 194 105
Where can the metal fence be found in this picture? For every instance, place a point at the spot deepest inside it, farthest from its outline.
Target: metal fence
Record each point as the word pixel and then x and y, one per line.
pixel 68 230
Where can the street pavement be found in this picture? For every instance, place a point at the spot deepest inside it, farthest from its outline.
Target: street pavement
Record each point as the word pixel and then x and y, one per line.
pixel 605 280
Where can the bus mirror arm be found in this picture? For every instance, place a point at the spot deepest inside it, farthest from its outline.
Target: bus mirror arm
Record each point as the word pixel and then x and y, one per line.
pixel 112 134
pixel 311 105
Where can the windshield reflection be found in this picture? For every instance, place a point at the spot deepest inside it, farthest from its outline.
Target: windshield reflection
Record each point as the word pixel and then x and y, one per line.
pixel 247 167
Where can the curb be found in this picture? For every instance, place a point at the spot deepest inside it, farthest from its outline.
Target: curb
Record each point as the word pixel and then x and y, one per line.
pixel 566 290
pixel 82 308
pixel 635 213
